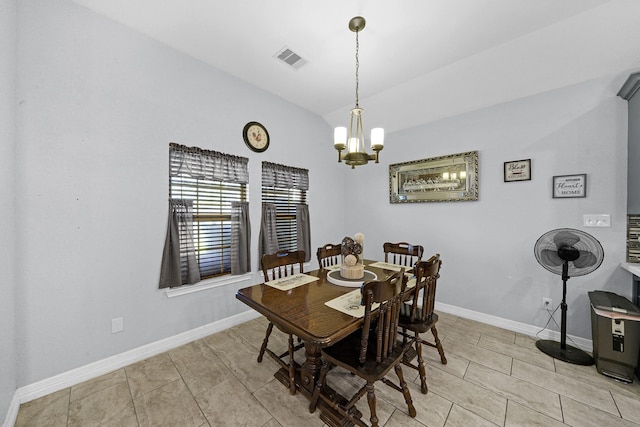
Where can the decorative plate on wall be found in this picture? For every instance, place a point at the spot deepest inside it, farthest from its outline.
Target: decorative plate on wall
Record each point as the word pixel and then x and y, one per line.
pixel 255 136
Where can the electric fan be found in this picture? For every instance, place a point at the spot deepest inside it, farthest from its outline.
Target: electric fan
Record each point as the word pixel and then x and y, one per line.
pixel 569 253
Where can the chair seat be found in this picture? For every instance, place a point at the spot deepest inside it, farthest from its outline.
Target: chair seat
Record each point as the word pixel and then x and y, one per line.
pixel 342 354
pixel 417 325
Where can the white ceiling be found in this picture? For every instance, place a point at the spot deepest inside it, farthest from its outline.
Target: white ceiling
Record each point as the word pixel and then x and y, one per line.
pixel 420 60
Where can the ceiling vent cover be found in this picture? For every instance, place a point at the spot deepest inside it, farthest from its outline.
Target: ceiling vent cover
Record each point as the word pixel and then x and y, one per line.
pixel 290 58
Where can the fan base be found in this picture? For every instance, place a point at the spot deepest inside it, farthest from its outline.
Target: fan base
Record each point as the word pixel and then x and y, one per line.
pixel 569 354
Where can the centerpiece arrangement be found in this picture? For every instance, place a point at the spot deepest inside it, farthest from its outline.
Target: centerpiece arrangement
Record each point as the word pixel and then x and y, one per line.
pixel 352 257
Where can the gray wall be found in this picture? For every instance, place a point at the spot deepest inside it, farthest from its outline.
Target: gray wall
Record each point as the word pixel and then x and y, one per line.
pixel 8 360
pixel 99 105
pixel 633 180
pixel 487 245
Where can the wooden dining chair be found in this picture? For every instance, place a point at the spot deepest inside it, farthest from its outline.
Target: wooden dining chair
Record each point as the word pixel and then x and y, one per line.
pixel 329 255
pixel 417 315
pixel 275 266
pixel 402 253
pixel 370 352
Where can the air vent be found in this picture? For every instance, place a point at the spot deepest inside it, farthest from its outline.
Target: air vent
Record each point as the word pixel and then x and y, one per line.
pixel 290 58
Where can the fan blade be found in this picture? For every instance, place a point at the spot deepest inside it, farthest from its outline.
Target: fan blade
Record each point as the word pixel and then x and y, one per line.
pixel 565 238
pixel 586 259
pixel 550 257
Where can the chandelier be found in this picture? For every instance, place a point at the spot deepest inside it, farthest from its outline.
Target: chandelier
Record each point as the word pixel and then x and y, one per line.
pixel 353 142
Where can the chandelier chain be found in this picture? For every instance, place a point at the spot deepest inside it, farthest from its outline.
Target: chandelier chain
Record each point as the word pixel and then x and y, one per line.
pixel 357 68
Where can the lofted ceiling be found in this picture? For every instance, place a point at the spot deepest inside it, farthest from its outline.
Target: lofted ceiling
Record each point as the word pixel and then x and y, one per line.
pixel 420 60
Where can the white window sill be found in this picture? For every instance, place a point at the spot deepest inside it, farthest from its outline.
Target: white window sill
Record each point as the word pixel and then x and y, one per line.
pixel 207 284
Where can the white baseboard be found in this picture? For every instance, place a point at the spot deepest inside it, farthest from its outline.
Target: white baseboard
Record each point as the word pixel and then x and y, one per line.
pixel 104 366
pixel 522 328
pixel 12 413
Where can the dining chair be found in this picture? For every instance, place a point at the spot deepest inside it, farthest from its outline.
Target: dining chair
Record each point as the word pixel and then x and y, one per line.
pixel 329 255
pixel 370 352
pixel 275 266
pixel 402 253
pixel 417 315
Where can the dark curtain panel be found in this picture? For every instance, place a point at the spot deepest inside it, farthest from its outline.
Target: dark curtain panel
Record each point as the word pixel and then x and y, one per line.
pixel 240 238
pixel 179 264
pixel 303 230
pixel 268 236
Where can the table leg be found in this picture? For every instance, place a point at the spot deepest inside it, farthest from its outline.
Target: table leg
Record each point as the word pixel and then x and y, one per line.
pixel 310 367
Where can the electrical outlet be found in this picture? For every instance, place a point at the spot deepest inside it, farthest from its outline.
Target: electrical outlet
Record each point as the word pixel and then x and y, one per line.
pixel 547 303
pixel 117 325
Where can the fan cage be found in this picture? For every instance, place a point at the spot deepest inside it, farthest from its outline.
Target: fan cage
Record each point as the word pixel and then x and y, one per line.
pixel 552 240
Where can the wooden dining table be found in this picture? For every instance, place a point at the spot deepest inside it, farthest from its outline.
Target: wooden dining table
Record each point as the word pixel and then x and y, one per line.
pixel 302 311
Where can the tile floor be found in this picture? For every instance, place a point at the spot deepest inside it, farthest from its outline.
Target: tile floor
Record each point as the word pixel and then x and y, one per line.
pixel 494 377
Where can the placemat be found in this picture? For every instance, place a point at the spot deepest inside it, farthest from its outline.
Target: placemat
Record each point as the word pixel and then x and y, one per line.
pixel 349 303
pixel 395 267
pixel 389 266
pixel 290 282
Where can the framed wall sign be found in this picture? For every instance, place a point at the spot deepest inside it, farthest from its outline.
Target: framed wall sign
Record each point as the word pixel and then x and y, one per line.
pixel 439 179
pixel 517 170
pixel 567 186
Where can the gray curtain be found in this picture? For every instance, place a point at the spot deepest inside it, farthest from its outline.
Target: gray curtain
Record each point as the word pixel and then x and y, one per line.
pixel 282 176
pixel 240 238
pixel 179 264
pixel 268 235
pixel 195 162
pixel 303 230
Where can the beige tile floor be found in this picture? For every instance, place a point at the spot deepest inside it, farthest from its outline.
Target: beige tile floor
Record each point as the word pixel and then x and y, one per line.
pixel 494 377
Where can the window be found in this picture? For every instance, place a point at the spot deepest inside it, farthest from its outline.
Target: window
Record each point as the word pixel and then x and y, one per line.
pixel 284 189
pixel 204 189
pixel 211 219
pixel 285 200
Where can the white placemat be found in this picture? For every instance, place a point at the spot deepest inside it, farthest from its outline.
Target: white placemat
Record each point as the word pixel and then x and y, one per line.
pixel 349 303
pixel 389 266
pixel 395 267
pixel 290 282
pixel 333 267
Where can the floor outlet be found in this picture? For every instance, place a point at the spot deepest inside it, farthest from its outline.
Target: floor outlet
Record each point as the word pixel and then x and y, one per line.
pixel 117 325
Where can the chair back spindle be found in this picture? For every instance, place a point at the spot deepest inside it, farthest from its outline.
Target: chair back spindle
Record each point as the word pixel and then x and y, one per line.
pixel 281 264
pixel 389 294
pixel 424 297
pixel 402 253
pixel 329 255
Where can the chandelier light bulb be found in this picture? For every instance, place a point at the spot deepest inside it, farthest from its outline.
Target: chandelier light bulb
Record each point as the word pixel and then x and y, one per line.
pixel 377 138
